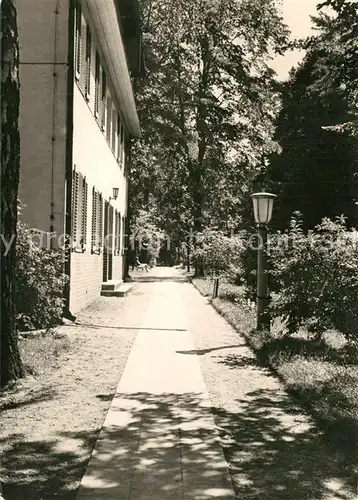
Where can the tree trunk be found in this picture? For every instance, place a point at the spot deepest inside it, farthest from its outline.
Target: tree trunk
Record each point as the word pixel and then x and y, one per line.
pixel 11 366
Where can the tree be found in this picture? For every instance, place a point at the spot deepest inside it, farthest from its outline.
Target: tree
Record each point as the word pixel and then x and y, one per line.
pixel 206 106
pixel 343 56
pixel 11 366
pixel 317 170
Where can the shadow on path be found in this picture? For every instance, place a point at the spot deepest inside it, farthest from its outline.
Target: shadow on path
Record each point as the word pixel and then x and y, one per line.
pixel 270 459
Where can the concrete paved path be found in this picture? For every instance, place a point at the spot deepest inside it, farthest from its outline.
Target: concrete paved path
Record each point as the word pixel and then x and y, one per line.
pixel 159 440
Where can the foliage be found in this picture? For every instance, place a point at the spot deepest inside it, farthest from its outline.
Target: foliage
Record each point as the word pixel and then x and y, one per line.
pixel 342 68
pixel 317 277
pixel 315 160
pixel 217 253
pixel 40 281
pixel 206 106
pixel 146 234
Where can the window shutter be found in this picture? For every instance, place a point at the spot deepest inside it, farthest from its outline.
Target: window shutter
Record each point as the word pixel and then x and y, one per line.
pixel 75 186
pixel 100 219
pixel 78 36
pixel 119 132
pixel 84 212
pixel 114 130
pixel 124 236
pixel 123 147
pixel 97 86
pixel 94 221
pixel 88 62
pixel 103 100
pixel 109 118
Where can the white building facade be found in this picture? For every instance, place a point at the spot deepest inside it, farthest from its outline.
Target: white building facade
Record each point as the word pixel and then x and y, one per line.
pixel 77 120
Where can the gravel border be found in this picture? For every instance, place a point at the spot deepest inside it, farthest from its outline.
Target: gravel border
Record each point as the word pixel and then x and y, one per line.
pixel 50 421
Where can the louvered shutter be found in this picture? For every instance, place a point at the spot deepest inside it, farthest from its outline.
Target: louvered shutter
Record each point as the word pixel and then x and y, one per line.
pixel 78 46
pixel 114 130
pixel 100 219
pixel 88 62
pixel 94 239
pixel 103 100
pixel 84 212
pixel 124 235
pixel 75 186
pixel 119 131
pixel 97 86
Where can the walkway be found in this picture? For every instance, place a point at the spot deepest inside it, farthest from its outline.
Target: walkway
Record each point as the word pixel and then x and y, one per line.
pixel 159 440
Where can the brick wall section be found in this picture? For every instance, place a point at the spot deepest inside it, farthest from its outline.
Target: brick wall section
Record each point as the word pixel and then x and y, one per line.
pixel 117 267
pixel 86 279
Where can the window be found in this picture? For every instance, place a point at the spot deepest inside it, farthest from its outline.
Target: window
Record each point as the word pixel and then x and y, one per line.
pixel 97 86
pixel 114 130
pixel 79 211
pixel 97 222
pixel 117 229
pixel 78 38
pixel 103 100
pixel 87 86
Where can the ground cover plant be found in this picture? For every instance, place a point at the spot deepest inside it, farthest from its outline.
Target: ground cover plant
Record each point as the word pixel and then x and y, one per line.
pixel 320 372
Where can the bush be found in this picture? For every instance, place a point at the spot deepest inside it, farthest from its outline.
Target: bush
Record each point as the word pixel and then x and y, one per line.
pixel 316 275
pixel 40 281
pixel 218 254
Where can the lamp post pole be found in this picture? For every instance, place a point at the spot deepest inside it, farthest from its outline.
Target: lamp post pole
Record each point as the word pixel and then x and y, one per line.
pixel 263 205
pixel 263 317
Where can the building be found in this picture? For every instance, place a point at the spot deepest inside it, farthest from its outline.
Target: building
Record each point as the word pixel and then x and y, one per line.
pixel 78 59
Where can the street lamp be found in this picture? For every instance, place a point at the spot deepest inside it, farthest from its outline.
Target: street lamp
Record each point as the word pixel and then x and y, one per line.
pixel 263 205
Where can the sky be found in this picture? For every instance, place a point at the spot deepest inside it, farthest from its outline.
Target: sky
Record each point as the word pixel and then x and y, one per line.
pixel 296 14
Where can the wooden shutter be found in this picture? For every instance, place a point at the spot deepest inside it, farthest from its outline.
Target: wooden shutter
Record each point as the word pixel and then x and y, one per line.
pixel 88 62
pixel 78 39
pixel 124 235
pixel 94 233
pixel 109 118
pixel 114 130
pixel 100 222
pixel 75 193
pixel 97 85
pixel 103 100
pixel 119 131
pixel 84 213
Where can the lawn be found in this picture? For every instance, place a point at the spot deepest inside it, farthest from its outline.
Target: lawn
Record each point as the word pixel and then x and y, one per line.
pixel 321 375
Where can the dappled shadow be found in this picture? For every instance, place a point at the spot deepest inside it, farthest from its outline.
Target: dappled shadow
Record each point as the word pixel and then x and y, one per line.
pixel 291 346
pixel 239 361
pixel 201 352
pixel 8 402
pixel 164 445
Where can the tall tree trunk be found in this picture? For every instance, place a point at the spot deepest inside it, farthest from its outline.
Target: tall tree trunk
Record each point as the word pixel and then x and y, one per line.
pixel 11 366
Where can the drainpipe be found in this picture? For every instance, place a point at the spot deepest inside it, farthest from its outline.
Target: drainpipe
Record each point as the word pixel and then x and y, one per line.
pixel 54 110
pixel 69 156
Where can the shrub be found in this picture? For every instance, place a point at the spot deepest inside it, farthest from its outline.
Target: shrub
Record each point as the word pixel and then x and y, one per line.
pixel 218 254
pixel 40 281
pixel 317 277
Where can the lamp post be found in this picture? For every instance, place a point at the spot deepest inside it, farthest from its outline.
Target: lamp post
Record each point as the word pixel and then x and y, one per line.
pixel 263 204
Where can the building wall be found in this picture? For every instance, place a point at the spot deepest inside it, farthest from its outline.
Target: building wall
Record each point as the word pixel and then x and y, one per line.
pixel 43 103
pixel 43 32
pixel 97 160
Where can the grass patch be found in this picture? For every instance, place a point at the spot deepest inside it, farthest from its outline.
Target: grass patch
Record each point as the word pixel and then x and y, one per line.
pixel 322 375
pixel 42 353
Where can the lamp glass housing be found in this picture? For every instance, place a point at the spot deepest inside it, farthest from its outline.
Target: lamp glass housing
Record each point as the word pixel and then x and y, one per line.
pixel 263 205
pixel 115 193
